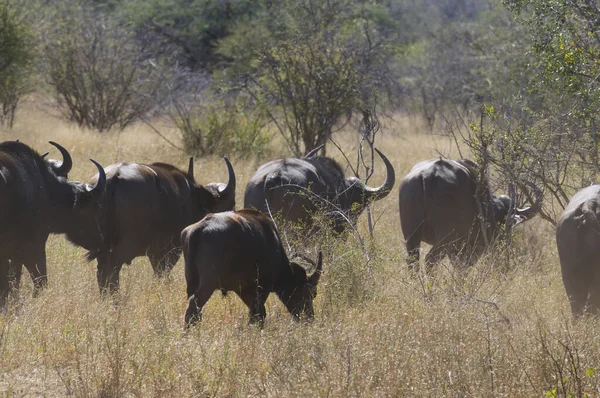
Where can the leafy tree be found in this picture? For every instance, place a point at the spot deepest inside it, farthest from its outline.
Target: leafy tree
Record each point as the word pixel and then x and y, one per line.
pixel 311 63
pixel 210 122
pixel 101 77
pixel 555 143
pixel 192 28
pixel 15 60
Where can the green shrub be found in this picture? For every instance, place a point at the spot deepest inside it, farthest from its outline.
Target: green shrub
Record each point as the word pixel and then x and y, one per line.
pixel 101 76
pixel 221 127
pixel 15 60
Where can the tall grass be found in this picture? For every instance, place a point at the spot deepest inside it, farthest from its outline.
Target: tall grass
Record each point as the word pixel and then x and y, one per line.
pixel 378 331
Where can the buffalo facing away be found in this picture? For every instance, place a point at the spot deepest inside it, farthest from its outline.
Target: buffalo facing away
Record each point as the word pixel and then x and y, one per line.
pixel 438 206
pixel 241 251
pixel 296 189
pixel 578 241
pixel 145 209
pixel 35 201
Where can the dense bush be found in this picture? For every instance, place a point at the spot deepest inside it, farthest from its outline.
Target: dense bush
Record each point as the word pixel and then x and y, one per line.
pixel 100 75
pixel 16 56
pixel 219 126
pixel 310 64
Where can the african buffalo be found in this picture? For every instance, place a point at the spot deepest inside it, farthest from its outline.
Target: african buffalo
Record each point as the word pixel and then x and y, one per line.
pixel 438 206
pixel 34 202
pixel 145 209
pixel 578 241
pixel 241 251
pixel 298 188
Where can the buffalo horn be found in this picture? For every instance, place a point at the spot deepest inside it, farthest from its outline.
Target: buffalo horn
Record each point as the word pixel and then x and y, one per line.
pixel 190 172
pixel 67 162
pixel 43 155
pixel 229 191
pixel 314 278
pixel 101 184
pixel 531 211
pixel 385 188
pixel 310 154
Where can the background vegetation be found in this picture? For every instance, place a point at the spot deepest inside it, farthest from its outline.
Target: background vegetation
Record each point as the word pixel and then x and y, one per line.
pixel 378 330
pixel 512 84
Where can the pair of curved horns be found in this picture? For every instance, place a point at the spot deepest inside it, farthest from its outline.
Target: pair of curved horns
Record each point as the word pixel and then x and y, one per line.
pixel 384 189
pixel 314 278
pixel 229 191
pixel 67 163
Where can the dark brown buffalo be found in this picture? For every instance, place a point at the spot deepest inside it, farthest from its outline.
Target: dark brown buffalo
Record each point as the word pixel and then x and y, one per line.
pixel 241 251
pixel 578 241
pixel 438 206
pixel 34 202
pixel 146 208
pixel 295 189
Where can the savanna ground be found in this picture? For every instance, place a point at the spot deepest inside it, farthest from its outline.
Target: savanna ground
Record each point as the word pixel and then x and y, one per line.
pixel 378 331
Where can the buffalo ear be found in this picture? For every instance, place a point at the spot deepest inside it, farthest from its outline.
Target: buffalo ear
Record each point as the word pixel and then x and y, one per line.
pixel 205 198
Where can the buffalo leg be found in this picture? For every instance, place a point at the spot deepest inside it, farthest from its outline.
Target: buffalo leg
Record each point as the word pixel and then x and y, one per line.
pixel 164 259
pixel 109 268
pixel 593 307
pixel 15 272
pixel 193 314
pixel 435 255
pixel 4 281
pixel 35 262
pixel 413 247
pixel 192 279
pixel 413 255
pixel 578 289
pixel 255 300
pixel 463 259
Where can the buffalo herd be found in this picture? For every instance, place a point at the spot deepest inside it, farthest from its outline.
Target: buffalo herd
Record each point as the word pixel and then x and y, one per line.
pixel 157 210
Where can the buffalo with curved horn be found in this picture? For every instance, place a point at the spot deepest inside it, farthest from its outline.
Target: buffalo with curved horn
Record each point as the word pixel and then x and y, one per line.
pixel 35 201
pixel 298 188
pixel 241 251
pixel 145 209
pixel 438 205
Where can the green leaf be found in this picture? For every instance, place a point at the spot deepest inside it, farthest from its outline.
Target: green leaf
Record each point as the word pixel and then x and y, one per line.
pixel 551 393
pixel 590 372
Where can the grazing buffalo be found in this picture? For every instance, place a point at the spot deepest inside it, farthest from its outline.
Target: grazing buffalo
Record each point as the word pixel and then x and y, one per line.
pixel 438 206
pixel 145 209
pixel 36 200
pixel 241 251
pixel 298 188
pixel 578 241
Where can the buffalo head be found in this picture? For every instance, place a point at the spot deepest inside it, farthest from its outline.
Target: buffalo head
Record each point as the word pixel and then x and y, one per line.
pixel 502 206
pixel 298 294
pixel 361 195
pixel 223 193
pixel 78 204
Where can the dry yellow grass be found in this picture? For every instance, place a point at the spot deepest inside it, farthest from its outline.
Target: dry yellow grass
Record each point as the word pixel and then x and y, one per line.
pixel 387 334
